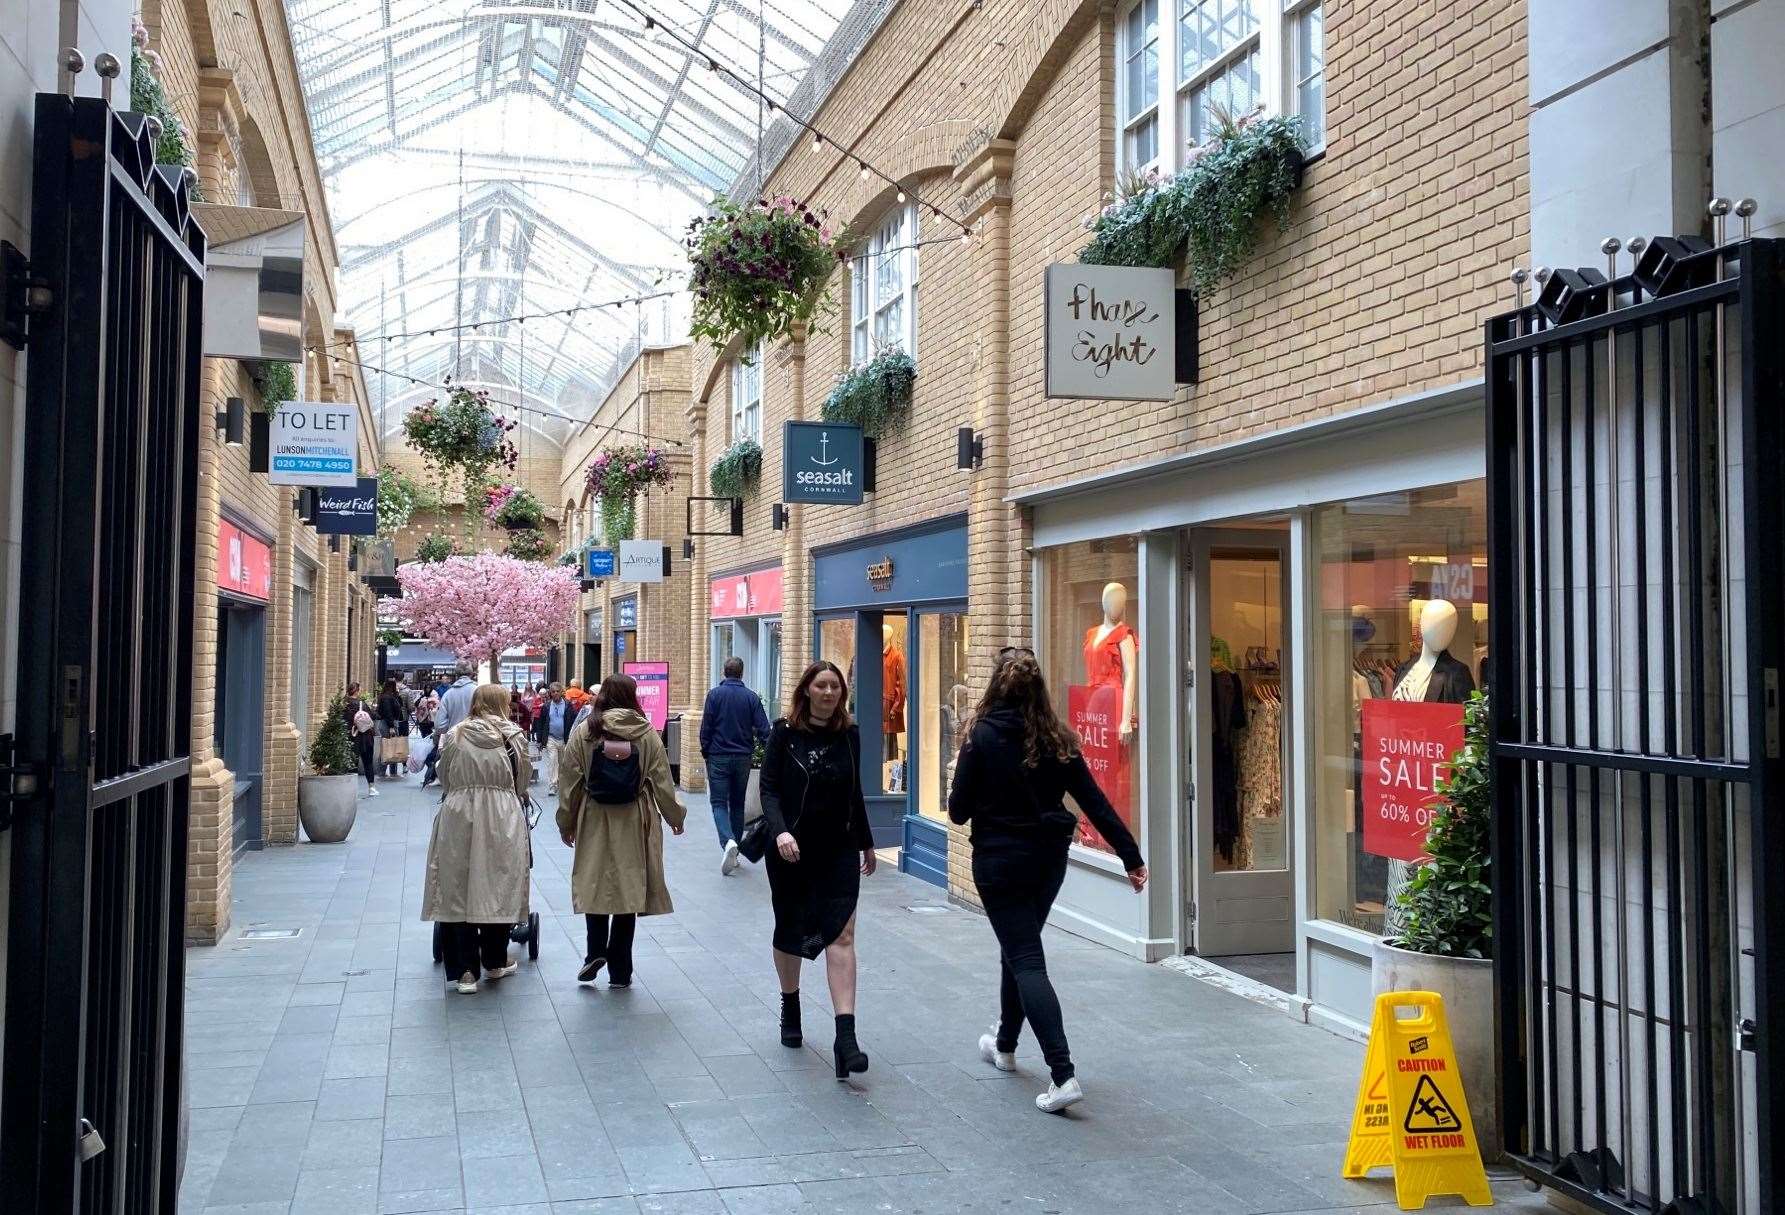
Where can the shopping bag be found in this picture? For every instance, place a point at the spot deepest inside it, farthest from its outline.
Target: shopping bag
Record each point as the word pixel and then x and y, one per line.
pixel 394 749
pixel 419 752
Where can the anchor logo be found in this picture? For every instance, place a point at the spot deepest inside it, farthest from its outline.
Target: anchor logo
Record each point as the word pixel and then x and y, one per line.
pixel 824 440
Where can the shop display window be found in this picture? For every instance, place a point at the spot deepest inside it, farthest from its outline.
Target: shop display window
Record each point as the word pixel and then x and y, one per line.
pixel 895 708
pixel 1246 621
pixel 1091 654
pixel 942 685
pixel 1400 641
pixel 836 645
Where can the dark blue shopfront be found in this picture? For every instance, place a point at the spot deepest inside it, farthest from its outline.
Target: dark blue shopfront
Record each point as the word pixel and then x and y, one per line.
pixel 892 613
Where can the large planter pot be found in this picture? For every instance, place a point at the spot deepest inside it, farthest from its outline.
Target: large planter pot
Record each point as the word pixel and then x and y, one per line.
pixel 326 807
pixel 753 796
pixel 1467 985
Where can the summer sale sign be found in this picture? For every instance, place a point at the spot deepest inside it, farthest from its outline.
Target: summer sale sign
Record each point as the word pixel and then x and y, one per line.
pixel 1094 712
pixel 1407 747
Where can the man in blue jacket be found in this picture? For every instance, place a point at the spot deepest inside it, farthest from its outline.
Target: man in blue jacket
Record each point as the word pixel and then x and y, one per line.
pixel 730 727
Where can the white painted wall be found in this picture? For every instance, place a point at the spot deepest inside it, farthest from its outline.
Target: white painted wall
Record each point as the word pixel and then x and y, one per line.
pixel 1748 107
pixel 30 33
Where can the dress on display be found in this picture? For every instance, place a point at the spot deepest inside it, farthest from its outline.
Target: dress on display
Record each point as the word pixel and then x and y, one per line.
pixel 1260 755
pixel 1105 676
pixel 892 692
pixel 1227 699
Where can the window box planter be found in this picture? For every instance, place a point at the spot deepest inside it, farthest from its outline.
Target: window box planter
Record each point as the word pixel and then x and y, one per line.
pixel 875 396
pixel 737 470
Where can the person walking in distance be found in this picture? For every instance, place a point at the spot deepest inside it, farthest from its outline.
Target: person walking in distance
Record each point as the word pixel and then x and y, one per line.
pixel 393 725
pixel 455 706
pixel 551 730
pixel 821 848
pixel 614 795
pixel 476 886
pixel 1016 766
pixel 731 725
pixel 362 726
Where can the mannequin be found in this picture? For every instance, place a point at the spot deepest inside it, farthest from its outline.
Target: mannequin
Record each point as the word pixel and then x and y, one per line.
pixel 1434 676
pixel 1111 657
pixel 892 691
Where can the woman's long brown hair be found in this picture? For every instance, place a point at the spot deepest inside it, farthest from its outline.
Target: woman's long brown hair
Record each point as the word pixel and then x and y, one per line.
pixel 1017 684
pixel 617 692
pixel 799 706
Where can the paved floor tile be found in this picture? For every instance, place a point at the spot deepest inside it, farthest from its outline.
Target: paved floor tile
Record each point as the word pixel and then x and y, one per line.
pixel 334 1072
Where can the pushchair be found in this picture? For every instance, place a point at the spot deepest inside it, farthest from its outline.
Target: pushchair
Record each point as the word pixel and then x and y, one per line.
pixel 525 932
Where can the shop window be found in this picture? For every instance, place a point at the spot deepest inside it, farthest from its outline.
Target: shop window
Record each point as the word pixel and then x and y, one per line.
pixel 836 645
pixel 746 396
pixel 1307 62
pixel 883 289
pixel 1091 653
pixel 946 702
pixel 1401 576
pixel 723 648
pixel 895 706
pixel 771 666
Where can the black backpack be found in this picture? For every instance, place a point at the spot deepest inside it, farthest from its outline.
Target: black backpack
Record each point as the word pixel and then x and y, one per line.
pixel 613 781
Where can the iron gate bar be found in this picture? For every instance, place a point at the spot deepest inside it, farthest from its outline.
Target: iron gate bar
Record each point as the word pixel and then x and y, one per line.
pixel 1653 765
pixel 1630 316
pixel 109 792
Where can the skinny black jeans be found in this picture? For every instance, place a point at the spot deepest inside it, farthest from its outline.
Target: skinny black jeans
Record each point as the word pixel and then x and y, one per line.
pixel 366 747
pixel 610 937
pixel 1018 883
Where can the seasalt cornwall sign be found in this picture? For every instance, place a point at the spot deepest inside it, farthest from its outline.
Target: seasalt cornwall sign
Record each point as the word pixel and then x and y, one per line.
pixel 1111 333
pixel 821 463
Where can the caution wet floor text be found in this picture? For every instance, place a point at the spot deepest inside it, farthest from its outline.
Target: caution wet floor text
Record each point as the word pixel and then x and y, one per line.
pixel 1411 1113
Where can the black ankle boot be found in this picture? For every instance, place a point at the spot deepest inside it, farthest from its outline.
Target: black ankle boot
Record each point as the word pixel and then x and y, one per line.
pixel 790 1019
pixel 849 1056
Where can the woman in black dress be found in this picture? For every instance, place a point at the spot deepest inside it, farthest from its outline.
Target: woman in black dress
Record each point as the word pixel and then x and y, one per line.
pixel 818 822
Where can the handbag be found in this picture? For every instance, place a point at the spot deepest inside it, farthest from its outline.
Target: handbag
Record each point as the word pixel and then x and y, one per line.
pixel 755 840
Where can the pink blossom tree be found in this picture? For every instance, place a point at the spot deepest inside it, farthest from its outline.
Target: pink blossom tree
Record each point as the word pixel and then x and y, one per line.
pixel 480 606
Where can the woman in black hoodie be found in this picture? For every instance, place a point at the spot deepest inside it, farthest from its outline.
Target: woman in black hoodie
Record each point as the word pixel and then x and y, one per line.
pixel 1010 782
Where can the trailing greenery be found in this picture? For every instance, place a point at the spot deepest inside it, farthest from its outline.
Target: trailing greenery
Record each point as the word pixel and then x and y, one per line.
pixel 759 270
pixel 399 497
pixel 617 476
pixel 1448 905
pixel 390 637
pixel 875 396
pixel 274 380
pixel 737 470
pixel 1211 209
pixel 619 520
pixel 435 548
pixel 147 96
pixel 528 544
pixel 331 751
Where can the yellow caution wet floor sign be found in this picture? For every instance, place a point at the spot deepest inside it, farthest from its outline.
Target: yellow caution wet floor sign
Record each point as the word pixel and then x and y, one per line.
pixel 1411 1111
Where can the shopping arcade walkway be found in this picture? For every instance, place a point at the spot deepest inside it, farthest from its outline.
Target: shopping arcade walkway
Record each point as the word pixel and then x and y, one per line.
pixel 331 1072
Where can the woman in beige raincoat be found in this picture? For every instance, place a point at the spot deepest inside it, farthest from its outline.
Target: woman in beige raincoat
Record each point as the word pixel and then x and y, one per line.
pixel 613 787
pixel 476 887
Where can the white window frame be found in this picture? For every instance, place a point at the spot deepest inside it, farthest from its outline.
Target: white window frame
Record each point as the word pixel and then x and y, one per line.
pixel 1279 22
pixel 746 396
pixel 896 235
pixel 1295 13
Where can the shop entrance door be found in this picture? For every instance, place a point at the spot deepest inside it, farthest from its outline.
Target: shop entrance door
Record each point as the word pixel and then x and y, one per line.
pixel 1237 693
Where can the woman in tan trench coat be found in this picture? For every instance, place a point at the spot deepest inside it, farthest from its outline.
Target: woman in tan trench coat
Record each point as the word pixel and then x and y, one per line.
pixel 617 874
pixel 477 881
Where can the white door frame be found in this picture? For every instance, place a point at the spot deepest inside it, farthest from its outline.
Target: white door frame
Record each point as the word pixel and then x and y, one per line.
pixel 1253 911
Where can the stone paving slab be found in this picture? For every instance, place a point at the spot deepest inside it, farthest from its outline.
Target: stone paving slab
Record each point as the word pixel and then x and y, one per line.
pixel 334 1072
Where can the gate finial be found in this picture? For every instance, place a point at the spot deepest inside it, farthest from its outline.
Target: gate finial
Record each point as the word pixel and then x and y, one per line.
pixel 73 62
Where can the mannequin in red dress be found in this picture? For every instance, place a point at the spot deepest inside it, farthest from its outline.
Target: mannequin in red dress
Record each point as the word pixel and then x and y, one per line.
pixel 1112 669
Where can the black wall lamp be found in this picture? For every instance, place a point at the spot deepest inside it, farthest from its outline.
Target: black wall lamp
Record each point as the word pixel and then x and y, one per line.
pixel 334 544
pixel 687 549
pixel 232 420
pixel 969 449
pixel 778 517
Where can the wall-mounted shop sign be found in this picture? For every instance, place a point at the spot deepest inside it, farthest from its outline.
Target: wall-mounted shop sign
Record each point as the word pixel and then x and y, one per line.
pixel 1111 333
pixel 753 594
pixel 923 564
pixel 348 512
pixel 641 561
pixel 653 690
pixel 1407 746
pixel 599 563
pixel 821 464
pixel 315 443
pixel 626 613
pixel 244 563
pixel 880 574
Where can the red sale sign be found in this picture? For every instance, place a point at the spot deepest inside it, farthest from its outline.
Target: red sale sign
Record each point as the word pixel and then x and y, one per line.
pixel 1407 748
pixel 1095 712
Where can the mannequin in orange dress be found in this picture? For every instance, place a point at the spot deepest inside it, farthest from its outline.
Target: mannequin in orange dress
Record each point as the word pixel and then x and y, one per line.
pixel 892 692
pixel 1112 651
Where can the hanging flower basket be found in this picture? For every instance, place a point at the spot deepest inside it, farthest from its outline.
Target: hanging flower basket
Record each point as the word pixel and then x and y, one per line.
pixel 759 270
pixel 399 497
pixel 737 470
pixel 514 508
pixel 462 434
pixel 620 474
pixel 435 548
pixel 528 544
pixel 875 396
pixel 1209 212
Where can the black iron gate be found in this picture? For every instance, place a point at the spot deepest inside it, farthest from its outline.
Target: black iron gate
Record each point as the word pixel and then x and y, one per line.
pixel 94 972
pixel 1638 560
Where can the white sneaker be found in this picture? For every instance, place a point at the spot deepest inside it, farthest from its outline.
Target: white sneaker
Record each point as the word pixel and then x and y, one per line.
pixel 468 985
pixel 1059 1096
pixel 502 972
pixel 1003 1060
pixel 372 791
pixel 730 864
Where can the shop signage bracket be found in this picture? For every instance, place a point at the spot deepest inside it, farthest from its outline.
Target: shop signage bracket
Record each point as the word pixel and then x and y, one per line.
pixel 734 508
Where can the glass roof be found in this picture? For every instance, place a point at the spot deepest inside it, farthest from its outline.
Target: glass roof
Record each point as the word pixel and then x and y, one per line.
pixel 486 160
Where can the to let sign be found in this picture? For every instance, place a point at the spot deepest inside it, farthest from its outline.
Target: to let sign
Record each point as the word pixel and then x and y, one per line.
pixel 314 443
pixel 1407 748
pixel 821 464
pixel 1111 333
pixel 348 512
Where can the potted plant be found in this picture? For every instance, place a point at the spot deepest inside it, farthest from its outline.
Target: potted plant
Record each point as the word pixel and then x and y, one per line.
pixel 147 96
pixel 875 396
pixel 528 545
pixel 435 548
pixel 1447 943
pixel 274 381
pixel 514 508
pixel 620 474
pixel 737 470
pixel 1209 211
pixel 328 798
pixel 759 270
pixel 753 790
